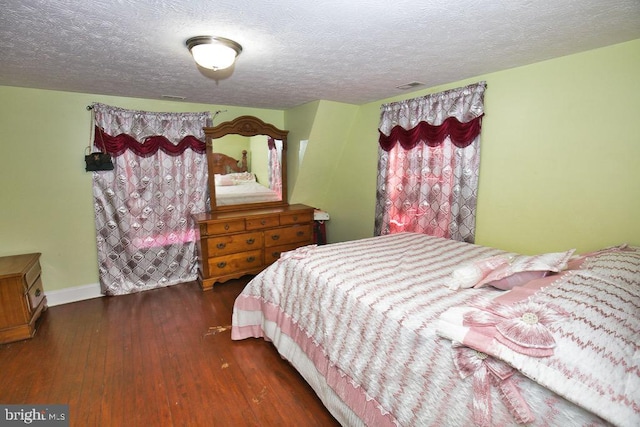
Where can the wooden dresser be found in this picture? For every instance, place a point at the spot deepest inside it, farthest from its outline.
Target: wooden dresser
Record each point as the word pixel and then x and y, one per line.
pixel 22 298
pixel 234 243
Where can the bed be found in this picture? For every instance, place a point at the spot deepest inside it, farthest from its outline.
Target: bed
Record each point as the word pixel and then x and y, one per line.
pixel 407 329
pixel 235 185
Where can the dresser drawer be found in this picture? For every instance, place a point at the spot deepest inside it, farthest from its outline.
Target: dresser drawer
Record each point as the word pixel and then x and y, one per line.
pixel 233 243
pixel 233 263
pixel 272 254
pixel 286 235
pixel 296 217
pixel 222 227
pixel 264 221
pixel 35 294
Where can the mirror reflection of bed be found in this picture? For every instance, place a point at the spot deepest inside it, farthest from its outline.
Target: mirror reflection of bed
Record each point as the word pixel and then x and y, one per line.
pixel 245 170
pixel 235 184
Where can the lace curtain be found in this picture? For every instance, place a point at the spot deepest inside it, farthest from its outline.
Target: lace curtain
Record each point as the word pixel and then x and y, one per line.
pixel 145 235
pixel 429 156
pixel 275 168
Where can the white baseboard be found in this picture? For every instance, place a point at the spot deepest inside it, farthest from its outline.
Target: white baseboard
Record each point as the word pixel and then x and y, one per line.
pixel 74 294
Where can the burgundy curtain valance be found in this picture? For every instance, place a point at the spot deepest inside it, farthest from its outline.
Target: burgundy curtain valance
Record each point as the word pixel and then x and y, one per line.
pixel 461 134
pixel 428 163
pixel 117 145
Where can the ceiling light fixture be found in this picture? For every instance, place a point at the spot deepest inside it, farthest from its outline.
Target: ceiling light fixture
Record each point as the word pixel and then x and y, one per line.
pixel 214 53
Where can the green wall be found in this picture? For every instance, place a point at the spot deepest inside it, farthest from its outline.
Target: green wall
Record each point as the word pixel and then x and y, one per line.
pixel 560 161
pixel 331 121
pixel 560 156
pixel 569 176
pixel 46 202
pixel 299 122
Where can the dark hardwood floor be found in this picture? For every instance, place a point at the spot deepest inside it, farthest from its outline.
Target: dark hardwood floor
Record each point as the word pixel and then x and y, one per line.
pixel 157 358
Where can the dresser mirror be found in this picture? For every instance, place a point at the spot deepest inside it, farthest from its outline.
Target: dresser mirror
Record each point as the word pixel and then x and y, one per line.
pixel 247 164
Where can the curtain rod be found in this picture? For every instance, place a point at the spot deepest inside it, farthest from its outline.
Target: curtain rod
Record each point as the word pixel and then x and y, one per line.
pixel 90 107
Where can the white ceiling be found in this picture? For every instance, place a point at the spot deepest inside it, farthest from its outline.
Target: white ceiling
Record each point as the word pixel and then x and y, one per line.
pixel 295 51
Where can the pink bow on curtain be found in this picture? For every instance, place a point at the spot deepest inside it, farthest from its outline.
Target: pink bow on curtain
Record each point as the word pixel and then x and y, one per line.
pixel 488 371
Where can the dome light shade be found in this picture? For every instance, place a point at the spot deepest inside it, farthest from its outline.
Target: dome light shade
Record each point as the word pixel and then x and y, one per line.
pixel 214 53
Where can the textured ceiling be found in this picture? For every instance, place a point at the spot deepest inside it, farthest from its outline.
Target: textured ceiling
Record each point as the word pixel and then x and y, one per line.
pixel 294 51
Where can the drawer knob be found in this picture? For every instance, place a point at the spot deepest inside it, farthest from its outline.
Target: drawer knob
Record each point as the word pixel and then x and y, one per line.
pixel 251 241
pixel 295 217
pixel 251 259
pixel 38 292
pixel 275 254
pixel 300 233
pixel 221 245
pixel 263 222
pixel 226 226
pixel 275 236
pixel 222 264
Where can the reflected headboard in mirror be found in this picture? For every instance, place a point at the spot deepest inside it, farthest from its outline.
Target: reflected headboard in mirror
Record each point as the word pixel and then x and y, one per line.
pixel 258 150
pixel 222 164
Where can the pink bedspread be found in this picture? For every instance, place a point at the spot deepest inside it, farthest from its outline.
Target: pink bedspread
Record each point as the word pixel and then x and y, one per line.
pixel 364 312
pixel 577 334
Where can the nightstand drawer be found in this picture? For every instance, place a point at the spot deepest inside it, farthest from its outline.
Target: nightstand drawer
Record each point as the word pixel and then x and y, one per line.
pixel 233 243
pixel 32 274
pixel 35 294
pixel 286 235
pixel 235 262
pixel 22 297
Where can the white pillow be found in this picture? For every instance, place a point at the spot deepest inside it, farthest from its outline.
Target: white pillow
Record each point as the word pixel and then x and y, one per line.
pixel 467 275
pixel 223 180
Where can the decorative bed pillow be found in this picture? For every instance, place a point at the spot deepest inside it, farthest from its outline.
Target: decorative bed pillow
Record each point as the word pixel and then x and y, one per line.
pixel 242 177
pixel 223 180
pixel 577 262
pixel 524 268
pixel 467 275
pixel 516 279
pixel 236 178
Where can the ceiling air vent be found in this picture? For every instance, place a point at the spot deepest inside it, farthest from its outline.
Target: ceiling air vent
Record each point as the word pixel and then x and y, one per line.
pixel 409 85
pixel 174 97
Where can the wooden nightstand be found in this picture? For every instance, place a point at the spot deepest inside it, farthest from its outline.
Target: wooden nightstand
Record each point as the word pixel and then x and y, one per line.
pixel 22 298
